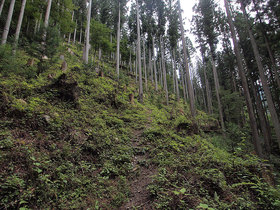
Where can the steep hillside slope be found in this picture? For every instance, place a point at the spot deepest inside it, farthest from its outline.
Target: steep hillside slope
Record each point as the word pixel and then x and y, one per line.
pixel 75 139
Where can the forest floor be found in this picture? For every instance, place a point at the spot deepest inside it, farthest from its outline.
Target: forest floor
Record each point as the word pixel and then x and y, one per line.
pixel 74 139
pixel 143 172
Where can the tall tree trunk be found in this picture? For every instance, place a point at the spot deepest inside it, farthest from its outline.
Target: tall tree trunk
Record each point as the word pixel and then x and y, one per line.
pixel 263 121
pixel 75 33
pixel 1 6
pixel 271 107
pixel 8 23
pixel 151 66
pixel 186 86
pixel 190 89
pixel 136 66
pixel 47 17
pixel 160 71
pixel 118 43
pixel 35 27
pixel 145 66
pixel 217 88
pixel 182 75
pixel 69 37
pixel 183 83
pixel 40 21
pixel 86 52
pixel 139 55
pixel 164 71
pixel 81 32
pixel 207 86
pixel 270 53
pixel 173 72
pixel 242 75
pixel 176 77
pixel 19 21
pixel 130 62
pixel 155 66
pixel 204 101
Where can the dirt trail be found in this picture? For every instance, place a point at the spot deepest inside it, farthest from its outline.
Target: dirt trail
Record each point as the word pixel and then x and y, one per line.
pixel 142 177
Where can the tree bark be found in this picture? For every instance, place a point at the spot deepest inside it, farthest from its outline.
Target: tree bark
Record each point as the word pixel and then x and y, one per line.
pixel 190 89
pixel 207 86
pixel 20 21
pixel 217 88
pixel 81 33
pixel 151 66
pixel 263 121
pixel 1 6
pixel 145 67
pixel 182 75
pixel 75 33
pixel 130 62
pixel 270 53
pixel 164 71
pixel 118 43
pixel 40 21
pixel 139 55
pixel 242 75
pixel 176 77
pixel 47 17
pixel 173 71
pixel 160 71
pixel 8 23
pixel 86 52
pixel 271 107
pixel 155 67
pixel 69 37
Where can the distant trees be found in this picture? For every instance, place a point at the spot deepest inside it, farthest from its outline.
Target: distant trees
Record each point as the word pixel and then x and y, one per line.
pixel 189 85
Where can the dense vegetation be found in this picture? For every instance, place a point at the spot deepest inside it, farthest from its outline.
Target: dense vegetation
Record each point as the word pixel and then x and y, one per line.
pixel 87 122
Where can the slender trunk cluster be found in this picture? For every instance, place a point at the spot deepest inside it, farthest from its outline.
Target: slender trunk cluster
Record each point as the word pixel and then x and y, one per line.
pixel 242 75
pixel 208 91
pixel 271 107
pixel 190 88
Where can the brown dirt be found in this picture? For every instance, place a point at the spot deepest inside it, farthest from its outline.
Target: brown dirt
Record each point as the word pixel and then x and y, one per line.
pixel 143 173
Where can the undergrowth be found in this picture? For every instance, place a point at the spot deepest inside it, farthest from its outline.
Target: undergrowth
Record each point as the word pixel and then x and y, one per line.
pixel 65 142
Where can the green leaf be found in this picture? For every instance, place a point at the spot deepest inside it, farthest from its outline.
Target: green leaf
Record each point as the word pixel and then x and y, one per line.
pixel 183 190
pixel 204 206
pixel 176 192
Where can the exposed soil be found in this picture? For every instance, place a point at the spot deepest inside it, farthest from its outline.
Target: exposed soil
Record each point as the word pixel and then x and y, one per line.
pixel 142 176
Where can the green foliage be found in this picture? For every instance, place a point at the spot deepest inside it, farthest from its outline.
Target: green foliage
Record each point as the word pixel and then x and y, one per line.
pixel 14 62
pixel 100 36
pixel 76 151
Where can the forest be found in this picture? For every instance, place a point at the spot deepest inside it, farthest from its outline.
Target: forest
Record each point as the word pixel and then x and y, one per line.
pixel 127 104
